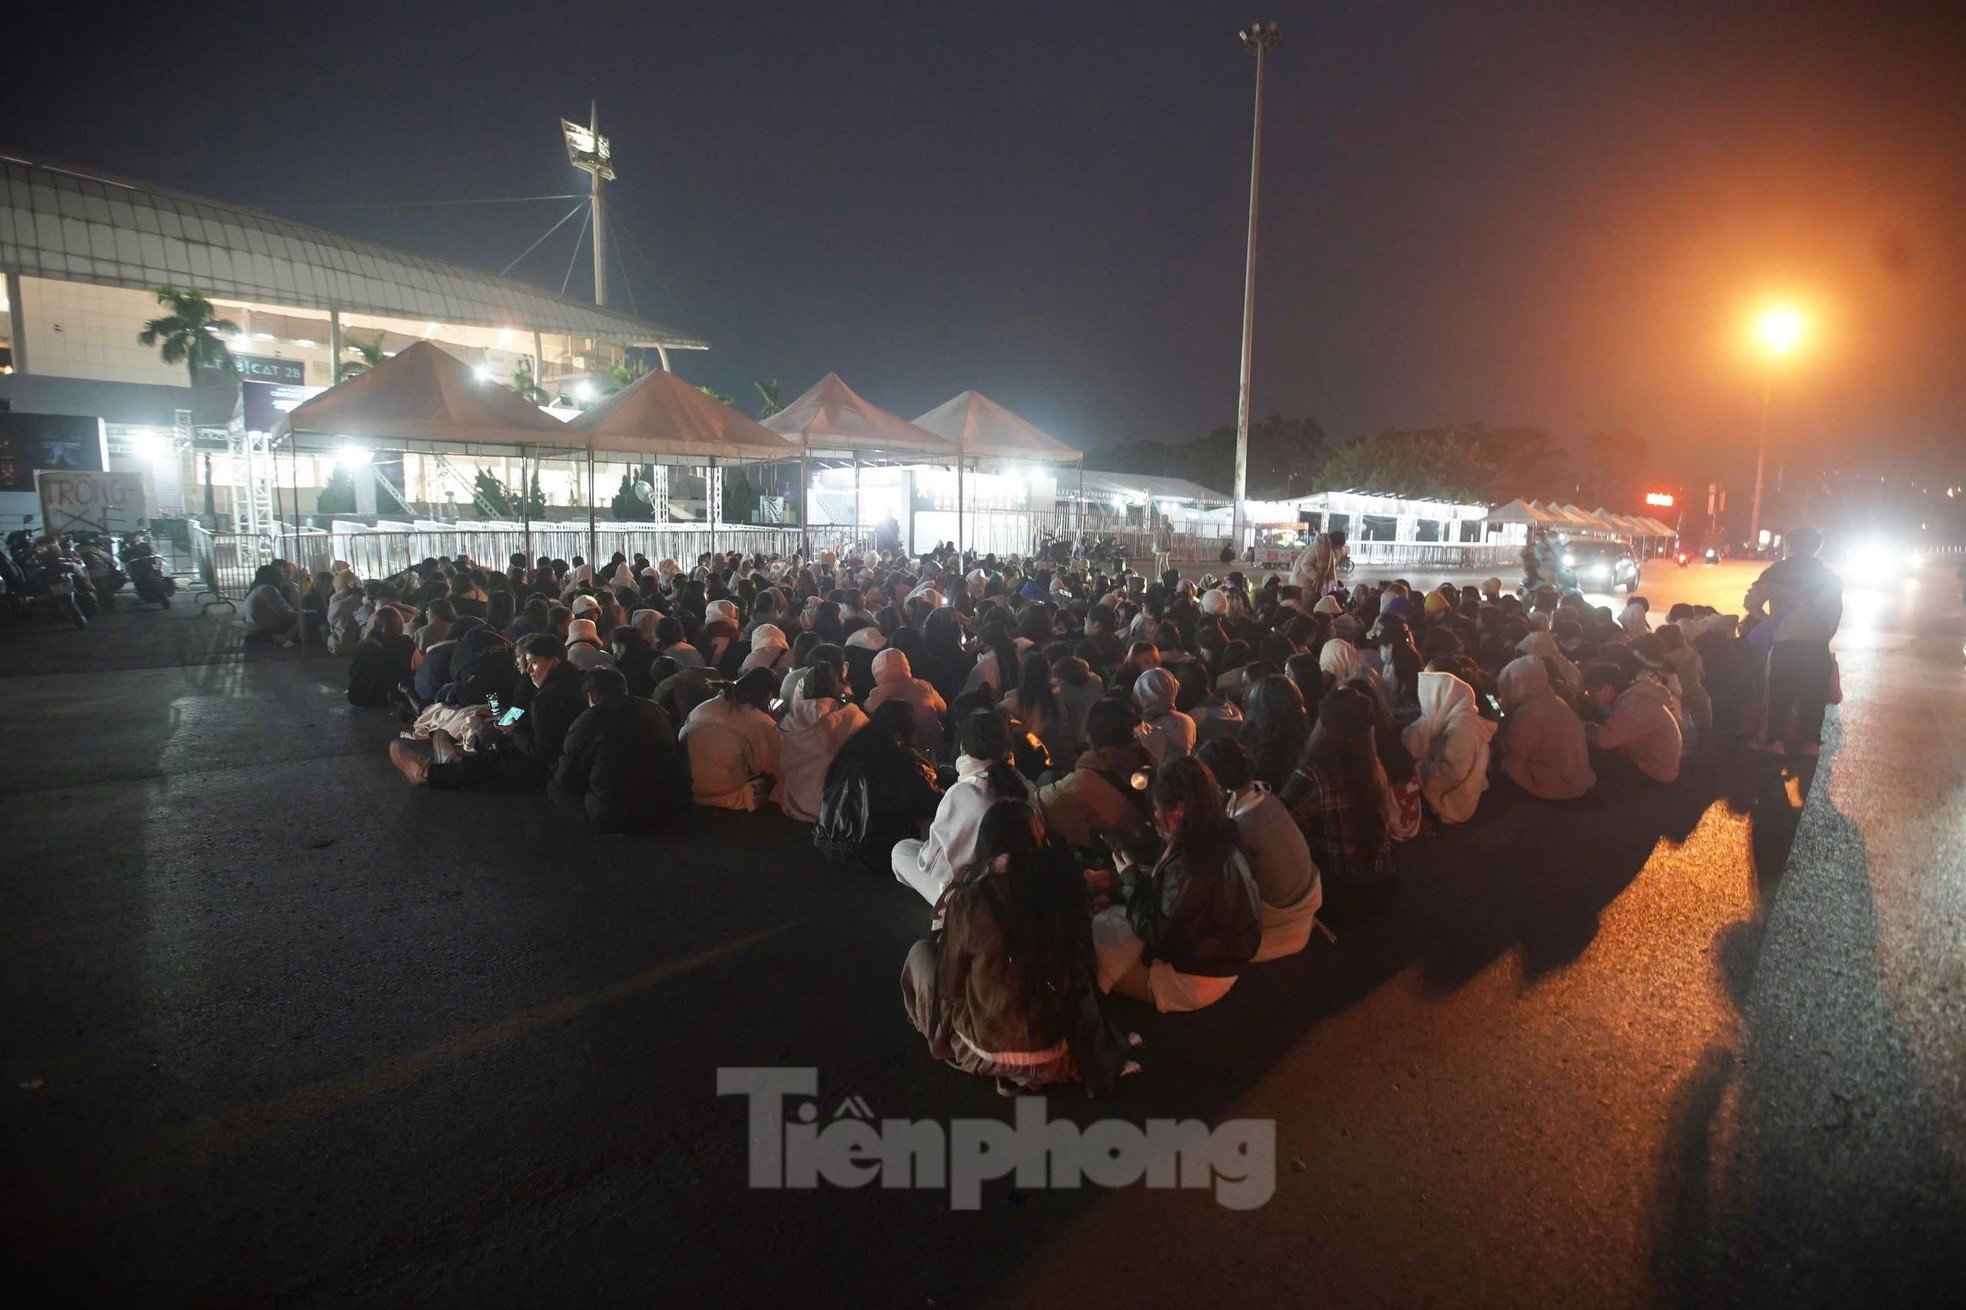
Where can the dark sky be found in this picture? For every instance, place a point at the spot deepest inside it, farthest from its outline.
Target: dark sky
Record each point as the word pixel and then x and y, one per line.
pixel 1556 215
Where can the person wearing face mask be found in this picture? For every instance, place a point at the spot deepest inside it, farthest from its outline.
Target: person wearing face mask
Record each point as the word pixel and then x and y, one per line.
pixel 1182 928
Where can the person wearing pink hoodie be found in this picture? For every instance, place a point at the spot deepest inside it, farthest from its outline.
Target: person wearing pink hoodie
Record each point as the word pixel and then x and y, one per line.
pixel 1542 743
pixel 894 679
pixel 809 736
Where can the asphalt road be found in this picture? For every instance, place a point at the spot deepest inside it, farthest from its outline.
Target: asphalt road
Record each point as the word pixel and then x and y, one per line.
pixel 281 1029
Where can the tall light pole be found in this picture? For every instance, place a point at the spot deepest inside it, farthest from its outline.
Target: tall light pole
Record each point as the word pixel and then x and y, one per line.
pixel 589 151
pixel 1258 39
pixel 1779 331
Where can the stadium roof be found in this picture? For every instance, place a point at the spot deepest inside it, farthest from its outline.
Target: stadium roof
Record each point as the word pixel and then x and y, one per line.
pixel 76 226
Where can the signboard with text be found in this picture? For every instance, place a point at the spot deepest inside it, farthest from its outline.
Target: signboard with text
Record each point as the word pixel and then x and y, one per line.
pixel 265 368
pixel 262 403
pixel 89 500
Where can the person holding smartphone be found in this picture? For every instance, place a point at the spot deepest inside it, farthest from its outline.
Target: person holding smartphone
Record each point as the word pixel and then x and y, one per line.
pixel 1184 926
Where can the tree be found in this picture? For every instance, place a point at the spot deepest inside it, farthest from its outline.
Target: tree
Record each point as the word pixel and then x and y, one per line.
pixel 491 493
pixel 367 355
pixel 623 376
pixel 527 389
pixel 536 498
pixel 768 401
pixel 338 497
pixel 740 498
pixel 192 334
pixel 1285 455
pixel 718 396
pixel 1613 461
pixel 1439 464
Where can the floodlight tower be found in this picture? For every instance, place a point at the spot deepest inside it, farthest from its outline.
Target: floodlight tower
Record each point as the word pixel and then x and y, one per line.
pixel 588 150
pixel 1258 39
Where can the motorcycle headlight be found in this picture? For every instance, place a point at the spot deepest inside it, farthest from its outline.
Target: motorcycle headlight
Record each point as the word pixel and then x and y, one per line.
pixel 1569 559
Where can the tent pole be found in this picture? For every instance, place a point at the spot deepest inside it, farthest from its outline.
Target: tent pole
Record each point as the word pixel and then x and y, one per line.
pixel 1081 516
pixel 959 503
pixel 854 545
pixel 805 500
pixel 713 498
pixel 593 533
pixel 525 505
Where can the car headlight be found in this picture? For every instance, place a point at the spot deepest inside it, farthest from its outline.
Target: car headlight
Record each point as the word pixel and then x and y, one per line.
pixel 1600 571
pixel 1569 559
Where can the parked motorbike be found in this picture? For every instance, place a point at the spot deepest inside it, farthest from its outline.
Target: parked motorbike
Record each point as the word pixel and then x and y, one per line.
pixel 146 568
pixel 63 582
pixel 1684 557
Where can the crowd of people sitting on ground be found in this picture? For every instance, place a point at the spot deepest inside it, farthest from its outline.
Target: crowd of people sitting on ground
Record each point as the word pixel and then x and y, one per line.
pixel 1095 784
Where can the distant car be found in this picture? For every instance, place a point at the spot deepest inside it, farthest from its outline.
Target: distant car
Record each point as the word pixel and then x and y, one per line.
pixel 1601 565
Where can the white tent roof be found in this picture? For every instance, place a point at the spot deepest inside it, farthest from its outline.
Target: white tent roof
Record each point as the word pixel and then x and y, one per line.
pixel 980 426
pixel 1143 486
pixel 661 415
pixel 1521 511
pixel 424 394
pixel 831 420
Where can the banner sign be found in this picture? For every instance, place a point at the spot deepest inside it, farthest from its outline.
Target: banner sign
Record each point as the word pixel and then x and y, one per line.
pixel 262 403
pixel 265 368
pixel 88 500
pixel 46 441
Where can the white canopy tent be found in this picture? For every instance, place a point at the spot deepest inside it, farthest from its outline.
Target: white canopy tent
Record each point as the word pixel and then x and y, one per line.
pixel 830 419
pixel 984 430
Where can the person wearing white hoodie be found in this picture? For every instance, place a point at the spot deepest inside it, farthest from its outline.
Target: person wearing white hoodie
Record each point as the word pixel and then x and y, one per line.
pixel 1449 745
pixel 809 736
pixel 894 679
pixel 983 777
pixel 1542 744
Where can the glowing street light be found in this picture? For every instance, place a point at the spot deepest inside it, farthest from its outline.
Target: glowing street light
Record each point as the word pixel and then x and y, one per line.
pixel 1779 332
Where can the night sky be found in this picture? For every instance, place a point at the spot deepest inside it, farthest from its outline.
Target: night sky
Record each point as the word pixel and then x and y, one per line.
pixel 1520 214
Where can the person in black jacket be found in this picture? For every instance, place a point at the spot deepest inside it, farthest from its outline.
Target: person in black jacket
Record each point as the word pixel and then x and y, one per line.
pixel 635 658
pixel 878 790
pixel 622 767
pixel 533 745
pixel 381 662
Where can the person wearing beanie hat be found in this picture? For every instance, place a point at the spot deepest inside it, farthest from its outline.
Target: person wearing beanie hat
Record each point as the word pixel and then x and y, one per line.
pixel 582 604
pixel 584 649
pixel 1491 589
pixel 1166 732
pixel 894 679
pixel 1215 602
pixel 1328 605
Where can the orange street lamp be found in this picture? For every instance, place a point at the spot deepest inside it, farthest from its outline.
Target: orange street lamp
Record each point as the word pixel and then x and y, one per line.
pixel 1779 332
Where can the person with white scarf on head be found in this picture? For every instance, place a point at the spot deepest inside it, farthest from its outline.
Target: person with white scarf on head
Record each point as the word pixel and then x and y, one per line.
pixel 1543 646
pixel 809 736
pixel 1449 745
pixel 769 650
pixel 1339 658
pixel 1166 732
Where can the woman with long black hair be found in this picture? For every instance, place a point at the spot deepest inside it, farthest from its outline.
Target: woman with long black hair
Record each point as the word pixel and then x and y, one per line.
pixel 1007 988
pixel 1184 928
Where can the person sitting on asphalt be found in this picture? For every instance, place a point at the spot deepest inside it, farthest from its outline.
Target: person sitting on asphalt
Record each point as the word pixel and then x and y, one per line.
pixel 1181 929
pixel 584 649
pixel 769 651
pixel 878 790
pixel 1279 859
pixel 733 744
pixel 1078 691
pixel 894 680
pixel 621 767
pixel 382 661
pixel 1105 790
pixel 984 776
pixel 629 647
pixel 1542 744
pixel 436 623
pixel 1637 732
pixel 810 735
pixel 1166 732
pixel 1339 798
pixel 1449 745
pixel 669 641
pixel 552 699
pixel 344 631
pixel 1008 988
pixel 270 615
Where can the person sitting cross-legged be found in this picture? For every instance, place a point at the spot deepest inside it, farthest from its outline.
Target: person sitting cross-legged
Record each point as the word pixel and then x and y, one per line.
pixel 621 766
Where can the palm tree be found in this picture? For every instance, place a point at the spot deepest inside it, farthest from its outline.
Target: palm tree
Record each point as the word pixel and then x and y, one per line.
pixel 768 401
pixel 192 334
pixel 623 376
pixel 368 355
pixel 528 389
